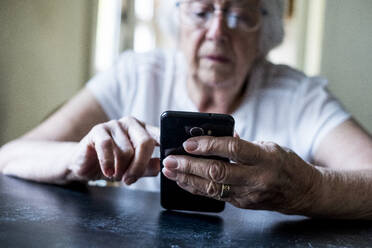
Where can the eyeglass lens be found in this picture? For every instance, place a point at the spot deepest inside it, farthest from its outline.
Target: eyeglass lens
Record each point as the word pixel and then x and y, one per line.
pixel 238 15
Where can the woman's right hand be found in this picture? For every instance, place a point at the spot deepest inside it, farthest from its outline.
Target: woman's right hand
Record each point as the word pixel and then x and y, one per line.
pixel 118 150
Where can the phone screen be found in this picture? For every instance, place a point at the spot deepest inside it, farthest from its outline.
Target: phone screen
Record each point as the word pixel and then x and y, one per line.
pixel 177 127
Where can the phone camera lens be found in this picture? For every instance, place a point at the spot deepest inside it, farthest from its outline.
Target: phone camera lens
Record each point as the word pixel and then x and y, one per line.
pixel 196 131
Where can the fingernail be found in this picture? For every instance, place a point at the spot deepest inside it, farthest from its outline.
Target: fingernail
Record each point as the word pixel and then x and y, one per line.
pixel 170 163
pixel 170 174
pixel 130 180
pixel 110 172
pixel 190 145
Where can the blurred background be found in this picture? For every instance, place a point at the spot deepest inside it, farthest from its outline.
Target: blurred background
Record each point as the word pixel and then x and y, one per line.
pixel 50 49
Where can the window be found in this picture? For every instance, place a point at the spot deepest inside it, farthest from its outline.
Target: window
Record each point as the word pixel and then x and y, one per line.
pixel 107 34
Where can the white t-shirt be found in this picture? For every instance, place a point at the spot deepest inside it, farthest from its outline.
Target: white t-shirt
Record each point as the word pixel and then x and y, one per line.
pixel 281 104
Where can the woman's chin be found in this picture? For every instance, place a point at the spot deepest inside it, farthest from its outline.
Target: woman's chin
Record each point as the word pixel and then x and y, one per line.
pixel 217 82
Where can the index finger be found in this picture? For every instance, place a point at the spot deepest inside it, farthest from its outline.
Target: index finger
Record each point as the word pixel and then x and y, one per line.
pixel 235 149
pixel 213 170
pixel 143 144
pixel 153 131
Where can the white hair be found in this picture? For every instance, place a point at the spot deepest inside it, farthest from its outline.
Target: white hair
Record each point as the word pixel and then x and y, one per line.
pixel 271 32
pixel 272 29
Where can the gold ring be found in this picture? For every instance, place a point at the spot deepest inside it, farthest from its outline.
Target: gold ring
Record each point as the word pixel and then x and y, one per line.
pixel 225 191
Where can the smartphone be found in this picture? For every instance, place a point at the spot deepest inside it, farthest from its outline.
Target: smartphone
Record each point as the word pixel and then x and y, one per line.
pixel 175 128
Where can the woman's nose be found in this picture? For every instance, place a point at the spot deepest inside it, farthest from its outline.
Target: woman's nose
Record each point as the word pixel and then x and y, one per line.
pixel 217 29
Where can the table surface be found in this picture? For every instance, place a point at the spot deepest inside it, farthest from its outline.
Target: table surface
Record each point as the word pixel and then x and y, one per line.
pixel 39 215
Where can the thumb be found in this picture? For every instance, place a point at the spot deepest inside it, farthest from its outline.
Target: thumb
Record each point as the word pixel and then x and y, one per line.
pixel 154 133
pixel 236 135
pixel 153 168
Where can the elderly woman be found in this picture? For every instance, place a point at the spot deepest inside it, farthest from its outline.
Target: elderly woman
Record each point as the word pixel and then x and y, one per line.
pixel 311 157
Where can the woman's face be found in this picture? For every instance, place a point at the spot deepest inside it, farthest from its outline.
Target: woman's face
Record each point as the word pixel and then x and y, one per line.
pixel 219 49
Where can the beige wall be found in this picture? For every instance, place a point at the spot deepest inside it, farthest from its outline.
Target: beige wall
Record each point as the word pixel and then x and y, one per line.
pixel 44 58
pixel 347 55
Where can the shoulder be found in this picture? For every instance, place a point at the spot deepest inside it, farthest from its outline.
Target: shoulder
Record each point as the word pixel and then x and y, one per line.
pixel 273 76
pixel 286 77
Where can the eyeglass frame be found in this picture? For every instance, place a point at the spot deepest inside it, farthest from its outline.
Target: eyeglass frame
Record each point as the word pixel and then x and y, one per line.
pixel 226 15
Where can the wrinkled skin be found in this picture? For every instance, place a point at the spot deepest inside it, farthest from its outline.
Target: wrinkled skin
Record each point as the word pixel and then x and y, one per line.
pixel 262 175
pixel 119 150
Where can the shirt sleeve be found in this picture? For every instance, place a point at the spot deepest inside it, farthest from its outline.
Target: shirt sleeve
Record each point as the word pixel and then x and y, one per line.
pixel 111 88
pixel 315 113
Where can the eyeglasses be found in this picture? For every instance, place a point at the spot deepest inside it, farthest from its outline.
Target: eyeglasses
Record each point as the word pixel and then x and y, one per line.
pixel 238 15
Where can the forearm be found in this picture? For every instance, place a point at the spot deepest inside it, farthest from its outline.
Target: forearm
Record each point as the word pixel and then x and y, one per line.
pixel 342 194
pixel 42 161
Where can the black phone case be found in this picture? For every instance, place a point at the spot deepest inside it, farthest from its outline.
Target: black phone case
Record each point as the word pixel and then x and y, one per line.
pixel 174 130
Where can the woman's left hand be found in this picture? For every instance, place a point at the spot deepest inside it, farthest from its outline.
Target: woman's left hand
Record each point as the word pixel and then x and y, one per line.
pixel 262 175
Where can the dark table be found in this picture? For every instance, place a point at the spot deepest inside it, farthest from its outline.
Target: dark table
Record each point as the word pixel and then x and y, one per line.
pixel 39 215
